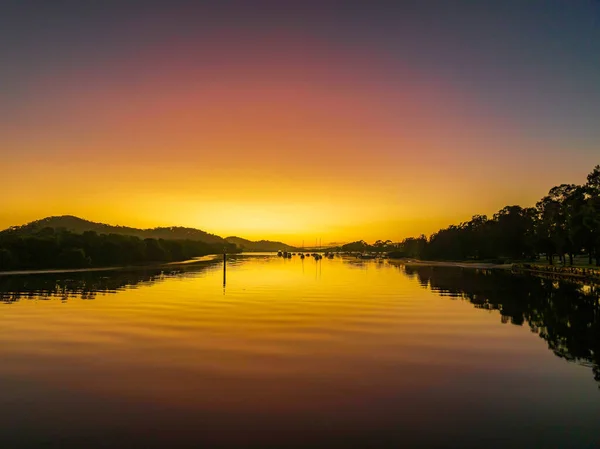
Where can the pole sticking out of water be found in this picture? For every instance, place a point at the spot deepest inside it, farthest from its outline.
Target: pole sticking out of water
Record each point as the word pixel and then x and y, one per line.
pixel 224 267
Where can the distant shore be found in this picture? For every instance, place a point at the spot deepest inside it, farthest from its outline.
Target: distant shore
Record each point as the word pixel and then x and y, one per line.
pixel 573 273
pixel 439 263
pixel 114 268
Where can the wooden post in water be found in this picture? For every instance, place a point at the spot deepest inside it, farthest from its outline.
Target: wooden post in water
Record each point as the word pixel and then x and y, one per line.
pixel 224 267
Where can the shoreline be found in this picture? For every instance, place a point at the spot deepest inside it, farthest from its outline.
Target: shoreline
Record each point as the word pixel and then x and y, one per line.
pixel 442 263
pixel 200 259
pixel 590 276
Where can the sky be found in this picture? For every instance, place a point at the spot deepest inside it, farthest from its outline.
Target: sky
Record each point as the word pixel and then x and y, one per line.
pixel 296 120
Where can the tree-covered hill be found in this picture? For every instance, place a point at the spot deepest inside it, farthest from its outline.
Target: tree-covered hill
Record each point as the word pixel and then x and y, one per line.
pixel 79 225
pixel 71 242
pixel 259 246
pixel 50 248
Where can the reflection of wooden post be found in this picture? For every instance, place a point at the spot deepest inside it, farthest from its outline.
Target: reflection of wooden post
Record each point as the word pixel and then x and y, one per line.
pixel 224 267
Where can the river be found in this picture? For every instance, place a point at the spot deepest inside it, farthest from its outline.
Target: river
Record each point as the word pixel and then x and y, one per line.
pixel 292 353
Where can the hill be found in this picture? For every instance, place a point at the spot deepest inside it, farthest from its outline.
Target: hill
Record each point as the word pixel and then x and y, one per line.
pixel 79 226
pixel 259 246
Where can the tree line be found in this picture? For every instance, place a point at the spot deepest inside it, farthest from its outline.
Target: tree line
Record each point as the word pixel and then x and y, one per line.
pixel 563 224
pixel 50 248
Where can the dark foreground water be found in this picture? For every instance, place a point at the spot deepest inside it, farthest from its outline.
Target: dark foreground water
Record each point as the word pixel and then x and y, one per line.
pixel 291 353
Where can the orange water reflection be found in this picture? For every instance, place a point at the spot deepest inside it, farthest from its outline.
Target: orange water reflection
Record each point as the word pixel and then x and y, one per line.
pixel 290 352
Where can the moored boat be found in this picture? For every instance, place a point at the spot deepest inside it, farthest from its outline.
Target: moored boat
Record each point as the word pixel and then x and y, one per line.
pixel 367 256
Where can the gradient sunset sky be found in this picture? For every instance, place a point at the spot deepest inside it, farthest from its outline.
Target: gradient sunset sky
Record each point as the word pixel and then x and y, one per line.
pixel 294 120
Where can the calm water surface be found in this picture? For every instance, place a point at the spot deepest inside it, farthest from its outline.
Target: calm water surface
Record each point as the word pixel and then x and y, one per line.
pixel 291 353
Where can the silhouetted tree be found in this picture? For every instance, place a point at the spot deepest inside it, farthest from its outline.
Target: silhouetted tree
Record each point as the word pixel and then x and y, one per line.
pixel 592 214
pixel 24 248
pixel 566 222
pixel 73 258
pixel 6 259
pixel 358 246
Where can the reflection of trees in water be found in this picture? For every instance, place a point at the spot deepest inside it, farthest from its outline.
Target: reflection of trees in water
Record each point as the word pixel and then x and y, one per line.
pixel 565 314
pixel 87 285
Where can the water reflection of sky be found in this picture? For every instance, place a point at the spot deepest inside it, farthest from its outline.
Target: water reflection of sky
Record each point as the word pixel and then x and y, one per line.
pixel 298 351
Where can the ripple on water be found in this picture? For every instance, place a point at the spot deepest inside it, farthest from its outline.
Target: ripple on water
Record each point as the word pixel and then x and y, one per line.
pixel 360 348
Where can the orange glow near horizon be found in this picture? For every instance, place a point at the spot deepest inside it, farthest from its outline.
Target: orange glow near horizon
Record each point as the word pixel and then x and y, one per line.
pixel 297 142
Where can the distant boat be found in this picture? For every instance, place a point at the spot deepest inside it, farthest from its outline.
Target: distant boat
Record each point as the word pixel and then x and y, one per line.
pixel 301 256
pixel 279 253
pixel 367 256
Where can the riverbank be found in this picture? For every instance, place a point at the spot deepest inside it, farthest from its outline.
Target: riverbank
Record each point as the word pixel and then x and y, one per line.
pixel 114 268
pixel 578 273
pixel 440 263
